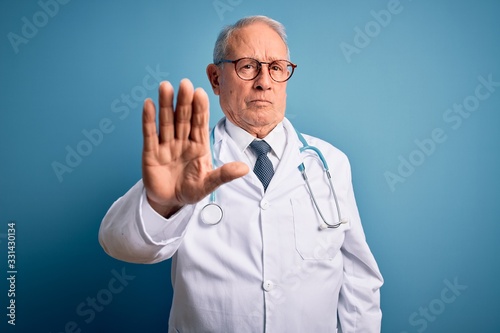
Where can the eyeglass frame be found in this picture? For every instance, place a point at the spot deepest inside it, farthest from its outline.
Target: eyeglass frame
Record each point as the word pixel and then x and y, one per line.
pixel 235 62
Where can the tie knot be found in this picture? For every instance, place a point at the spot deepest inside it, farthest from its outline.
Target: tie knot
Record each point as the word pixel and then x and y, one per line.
pixel 260 147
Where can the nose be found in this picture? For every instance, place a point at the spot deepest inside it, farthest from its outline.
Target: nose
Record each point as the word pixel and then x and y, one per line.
pixel 263 81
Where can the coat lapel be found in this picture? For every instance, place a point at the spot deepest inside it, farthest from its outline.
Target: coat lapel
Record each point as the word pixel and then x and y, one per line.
pixel 290 160
pixel 226 151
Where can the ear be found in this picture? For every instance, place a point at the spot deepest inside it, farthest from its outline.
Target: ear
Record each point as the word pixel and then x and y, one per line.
pixel 213 73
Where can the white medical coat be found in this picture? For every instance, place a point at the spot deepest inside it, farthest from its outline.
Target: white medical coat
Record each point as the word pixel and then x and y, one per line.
pixel 266 267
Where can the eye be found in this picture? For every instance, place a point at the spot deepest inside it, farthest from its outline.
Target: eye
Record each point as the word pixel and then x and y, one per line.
pixel 277 67
pixel 248 66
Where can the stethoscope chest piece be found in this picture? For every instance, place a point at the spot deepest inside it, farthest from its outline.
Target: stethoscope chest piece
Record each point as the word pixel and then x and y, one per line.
pixel 211 214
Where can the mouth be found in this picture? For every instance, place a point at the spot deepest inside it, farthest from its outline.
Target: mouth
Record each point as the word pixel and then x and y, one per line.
pixel 259 102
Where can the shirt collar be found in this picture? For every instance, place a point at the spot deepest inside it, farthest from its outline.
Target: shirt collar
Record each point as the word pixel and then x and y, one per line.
pixel 276 138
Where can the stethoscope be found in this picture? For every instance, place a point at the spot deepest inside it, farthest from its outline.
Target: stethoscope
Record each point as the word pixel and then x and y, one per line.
pixel 212 212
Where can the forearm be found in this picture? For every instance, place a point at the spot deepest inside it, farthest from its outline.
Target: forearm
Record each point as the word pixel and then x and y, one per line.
pixel 132 231
pixel 359 302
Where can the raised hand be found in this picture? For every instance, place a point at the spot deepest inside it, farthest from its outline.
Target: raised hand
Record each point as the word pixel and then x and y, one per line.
pixel 176 158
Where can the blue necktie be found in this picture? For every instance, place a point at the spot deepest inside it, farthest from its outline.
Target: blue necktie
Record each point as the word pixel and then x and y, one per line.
pixel 263 167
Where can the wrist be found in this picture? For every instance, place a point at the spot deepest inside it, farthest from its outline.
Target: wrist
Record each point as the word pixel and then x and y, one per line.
pixel 165 210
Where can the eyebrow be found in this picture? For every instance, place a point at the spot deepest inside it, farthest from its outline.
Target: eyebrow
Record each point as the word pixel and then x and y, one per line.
pixel 270 59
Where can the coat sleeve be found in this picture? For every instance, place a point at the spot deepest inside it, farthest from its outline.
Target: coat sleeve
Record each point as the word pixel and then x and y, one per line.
pixel 359 299
pixel 132 231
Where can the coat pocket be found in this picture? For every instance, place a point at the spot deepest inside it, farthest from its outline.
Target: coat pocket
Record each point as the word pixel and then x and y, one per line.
pixel 312 242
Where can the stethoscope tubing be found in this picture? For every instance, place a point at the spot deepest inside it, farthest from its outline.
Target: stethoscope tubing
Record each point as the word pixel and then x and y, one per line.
pixel 212 213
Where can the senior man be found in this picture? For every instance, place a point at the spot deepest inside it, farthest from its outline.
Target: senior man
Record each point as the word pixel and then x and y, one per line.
pixel 272 250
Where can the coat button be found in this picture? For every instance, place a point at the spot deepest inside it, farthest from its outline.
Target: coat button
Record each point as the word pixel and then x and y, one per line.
pixel 264 204
pixel 268 285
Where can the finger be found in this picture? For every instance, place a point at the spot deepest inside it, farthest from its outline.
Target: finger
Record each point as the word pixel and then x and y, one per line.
pixel 200 116
pixel 166 124
pixel 183 110
pixel 224 174
pixel 150 136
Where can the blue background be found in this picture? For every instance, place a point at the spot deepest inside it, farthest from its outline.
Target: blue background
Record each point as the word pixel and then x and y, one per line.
pixel 439 223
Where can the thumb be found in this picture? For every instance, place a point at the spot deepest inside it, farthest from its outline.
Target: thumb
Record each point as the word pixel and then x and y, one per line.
pixel 224 174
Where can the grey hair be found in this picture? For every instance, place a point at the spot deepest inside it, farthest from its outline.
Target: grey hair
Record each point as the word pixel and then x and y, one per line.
pixel 220 49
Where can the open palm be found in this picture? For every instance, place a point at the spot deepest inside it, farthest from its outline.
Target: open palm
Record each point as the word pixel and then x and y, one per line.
pixel 176 158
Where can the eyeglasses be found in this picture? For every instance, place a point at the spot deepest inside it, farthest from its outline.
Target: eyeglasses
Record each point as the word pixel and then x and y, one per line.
pixel 248 68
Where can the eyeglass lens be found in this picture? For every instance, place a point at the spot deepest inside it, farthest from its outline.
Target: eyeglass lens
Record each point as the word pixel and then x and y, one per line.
pixel 249 69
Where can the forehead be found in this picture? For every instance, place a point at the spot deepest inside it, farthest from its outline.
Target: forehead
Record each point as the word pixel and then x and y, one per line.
pixel 257 40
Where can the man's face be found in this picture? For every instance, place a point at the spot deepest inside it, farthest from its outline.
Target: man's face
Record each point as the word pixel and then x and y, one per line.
pixel 258 105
